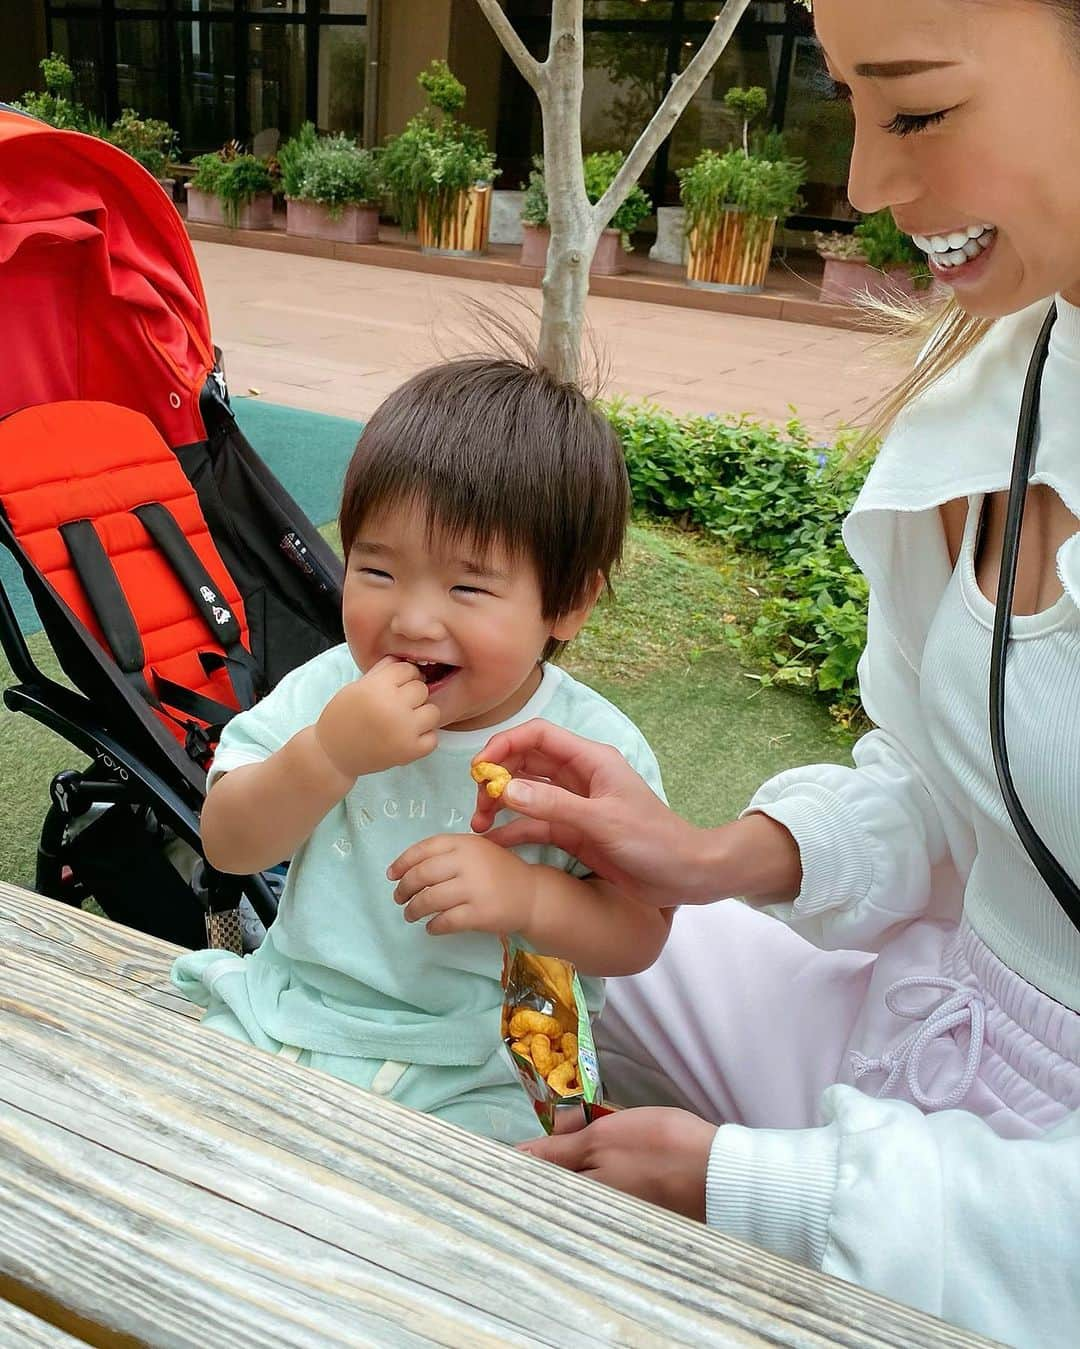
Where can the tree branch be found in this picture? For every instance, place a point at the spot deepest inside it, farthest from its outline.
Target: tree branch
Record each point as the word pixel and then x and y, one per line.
pixel 683 88
pixel 530 69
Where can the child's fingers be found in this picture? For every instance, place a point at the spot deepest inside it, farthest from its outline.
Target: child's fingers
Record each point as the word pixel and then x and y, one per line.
pixel 453 920
pixel 419 852
pixel 434 899
pixel 431 871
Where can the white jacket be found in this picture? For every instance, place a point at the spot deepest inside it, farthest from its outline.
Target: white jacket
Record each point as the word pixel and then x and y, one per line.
pixel 980 1230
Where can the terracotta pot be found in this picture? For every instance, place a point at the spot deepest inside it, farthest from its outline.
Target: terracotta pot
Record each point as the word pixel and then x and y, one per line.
pixel 733 256
pixel 206 209
pixel 844 281
pixel 534 246
pixel 356 224
pixel 463 228
pixel 610 256
pixel 608 260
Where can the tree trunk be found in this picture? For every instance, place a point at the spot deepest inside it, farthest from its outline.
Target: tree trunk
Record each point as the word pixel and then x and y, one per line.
pixel 576 225
pixel 574 233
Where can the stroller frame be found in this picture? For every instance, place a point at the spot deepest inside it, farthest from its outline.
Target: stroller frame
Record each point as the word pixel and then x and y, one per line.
pixel 164 366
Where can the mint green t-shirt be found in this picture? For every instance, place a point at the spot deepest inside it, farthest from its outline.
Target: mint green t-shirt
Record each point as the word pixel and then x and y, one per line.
pixel 340 970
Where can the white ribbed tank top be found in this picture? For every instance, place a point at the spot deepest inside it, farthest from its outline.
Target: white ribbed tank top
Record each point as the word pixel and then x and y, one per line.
pixel 1005 899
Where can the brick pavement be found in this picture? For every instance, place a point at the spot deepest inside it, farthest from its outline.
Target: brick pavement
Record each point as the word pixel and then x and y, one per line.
pixel 337 336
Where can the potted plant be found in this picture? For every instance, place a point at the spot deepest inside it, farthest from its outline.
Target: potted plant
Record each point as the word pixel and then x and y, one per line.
pixel 334 191
pixel 438 171
pixel 878 259
pixel 228 188
pixel 600 169
pixel 733 201
pixel 149 142
pixel 56 105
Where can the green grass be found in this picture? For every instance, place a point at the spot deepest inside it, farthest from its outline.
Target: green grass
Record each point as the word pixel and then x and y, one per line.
pixel 661 651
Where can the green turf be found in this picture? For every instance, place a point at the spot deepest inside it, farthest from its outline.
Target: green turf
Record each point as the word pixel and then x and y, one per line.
pixel 660 652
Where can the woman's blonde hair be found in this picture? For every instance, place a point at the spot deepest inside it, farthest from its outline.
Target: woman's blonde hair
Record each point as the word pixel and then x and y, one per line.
pixel 936 338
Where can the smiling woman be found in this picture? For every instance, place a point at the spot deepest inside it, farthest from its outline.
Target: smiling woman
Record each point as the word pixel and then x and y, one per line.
pixel 966 144
pixel 924 1061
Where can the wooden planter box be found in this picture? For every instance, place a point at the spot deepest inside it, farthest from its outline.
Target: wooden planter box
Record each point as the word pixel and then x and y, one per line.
pixel 206 209
pixel 608 260
pixel 845 281
pixel 356 224
pixel 734 256
pixel 464 227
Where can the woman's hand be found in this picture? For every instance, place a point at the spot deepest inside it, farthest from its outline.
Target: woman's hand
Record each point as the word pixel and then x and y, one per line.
pixel 584 798
pixel 655 1153
pixel 601 812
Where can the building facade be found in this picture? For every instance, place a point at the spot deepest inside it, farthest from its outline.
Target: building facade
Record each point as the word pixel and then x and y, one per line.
pixel 254 70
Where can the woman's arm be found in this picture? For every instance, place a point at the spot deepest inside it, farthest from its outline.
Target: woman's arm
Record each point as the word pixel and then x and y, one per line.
pixel 933 1210
pixel 844 854
pixel 598 809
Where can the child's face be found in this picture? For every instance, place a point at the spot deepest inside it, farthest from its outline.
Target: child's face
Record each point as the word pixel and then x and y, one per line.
pixel 470 618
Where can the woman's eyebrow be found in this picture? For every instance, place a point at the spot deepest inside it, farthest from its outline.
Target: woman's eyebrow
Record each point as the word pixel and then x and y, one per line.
pixel 897 70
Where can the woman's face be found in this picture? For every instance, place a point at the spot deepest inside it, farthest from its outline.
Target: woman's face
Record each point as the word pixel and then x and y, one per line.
pixel 967 117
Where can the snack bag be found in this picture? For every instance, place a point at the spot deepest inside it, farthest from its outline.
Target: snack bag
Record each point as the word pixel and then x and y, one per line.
pixel 546 1030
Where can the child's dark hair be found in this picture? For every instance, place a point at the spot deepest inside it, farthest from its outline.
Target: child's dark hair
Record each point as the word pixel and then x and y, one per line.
pixel 495 449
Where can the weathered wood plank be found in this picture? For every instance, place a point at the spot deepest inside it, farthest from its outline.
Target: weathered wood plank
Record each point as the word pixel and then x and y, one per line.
pixel 93 949
pixel 217 1193
pixel 20 1330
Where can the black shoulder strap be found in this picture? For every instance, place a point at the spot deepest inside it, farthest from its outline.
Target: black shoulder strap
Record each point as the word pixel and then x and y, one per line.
pixel 95 571
pixel 220 620
pixel 1061 884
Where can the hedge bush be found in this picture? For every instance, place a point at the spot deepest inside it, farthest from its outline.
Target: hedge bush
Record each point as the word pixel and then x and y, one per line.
pixel 776 493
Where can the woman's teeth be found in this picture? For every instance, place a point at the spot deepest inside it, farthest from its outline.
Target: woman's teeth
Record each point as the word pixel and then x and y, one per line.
pixel 952 250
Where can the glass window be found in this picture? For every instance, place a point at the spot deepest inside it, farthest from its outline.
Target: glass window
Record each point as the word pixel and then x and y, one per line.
pixel 625 81
pixel 820 129
pixel 207 85
pixel 342 62
pixel 207 6
pixel 747 60
pixel 79 42
pixel 276 68
pixel 141 79
pixel 354 7
pixel 633 10
pixel 275 6
pixel 159 5
pixel 79 4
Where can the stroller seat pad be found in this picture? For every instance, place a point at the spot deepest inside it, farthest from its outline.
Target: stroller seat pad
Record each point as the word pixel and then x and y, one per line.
pixel 77 474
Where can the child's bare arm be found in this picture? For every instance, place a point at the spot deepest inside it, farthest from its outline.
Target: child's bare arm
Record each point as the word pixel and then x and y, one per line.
pixel 258 814
pixel 591 923
pixel 463 883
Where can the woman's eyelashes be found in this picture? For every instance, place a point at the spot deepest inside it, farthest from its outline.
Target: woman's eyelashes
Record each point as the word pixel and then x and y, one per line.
pixel 910 124
pixel 903 123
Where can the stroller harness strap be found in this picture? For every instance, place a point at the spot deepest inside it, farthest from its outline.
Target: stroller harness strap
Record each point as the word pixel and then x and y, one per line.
pixel 117 623
pixel 102 509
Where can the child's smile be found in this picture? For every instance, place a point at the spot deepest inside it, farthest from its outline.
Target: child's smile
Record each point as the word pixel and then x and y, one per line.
pixel 468 615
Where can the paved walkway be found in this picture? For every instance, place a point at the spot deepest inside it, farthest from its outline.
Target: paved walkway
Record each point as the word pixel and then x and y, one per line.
pixel 338 336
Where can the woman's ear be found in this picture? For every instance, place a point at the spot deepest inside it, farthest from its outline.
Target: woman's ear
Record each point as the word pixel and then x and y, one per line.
pixel 567 626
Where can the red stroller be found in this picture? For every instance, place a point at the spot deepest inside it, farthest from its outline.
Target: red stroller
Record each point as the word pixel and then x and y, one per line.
pixel 174 577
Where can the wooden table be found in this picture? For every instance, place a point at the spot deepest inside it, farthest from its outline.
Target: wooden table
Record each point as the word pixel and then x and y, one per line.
pixel 164 1185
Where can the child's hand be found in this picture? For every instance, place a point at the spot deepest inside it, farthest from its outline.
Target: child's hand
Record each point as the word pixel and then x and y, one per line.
pixel 464 884
pixel 379 721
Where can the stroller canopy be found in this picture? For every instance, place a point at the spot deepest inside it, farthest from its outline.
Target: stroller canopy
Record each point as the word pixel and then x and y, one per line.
pixel 100 297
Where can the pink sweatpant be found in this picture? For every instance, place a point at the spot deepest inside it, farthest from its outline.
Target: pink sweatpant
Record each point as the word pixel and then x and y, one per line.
pixel 742 1021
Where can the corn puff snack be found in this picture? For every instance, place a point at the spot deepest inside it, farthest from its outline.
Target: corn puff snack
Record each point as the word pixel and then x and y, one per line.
pixel 493 777
pixel 547 1033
